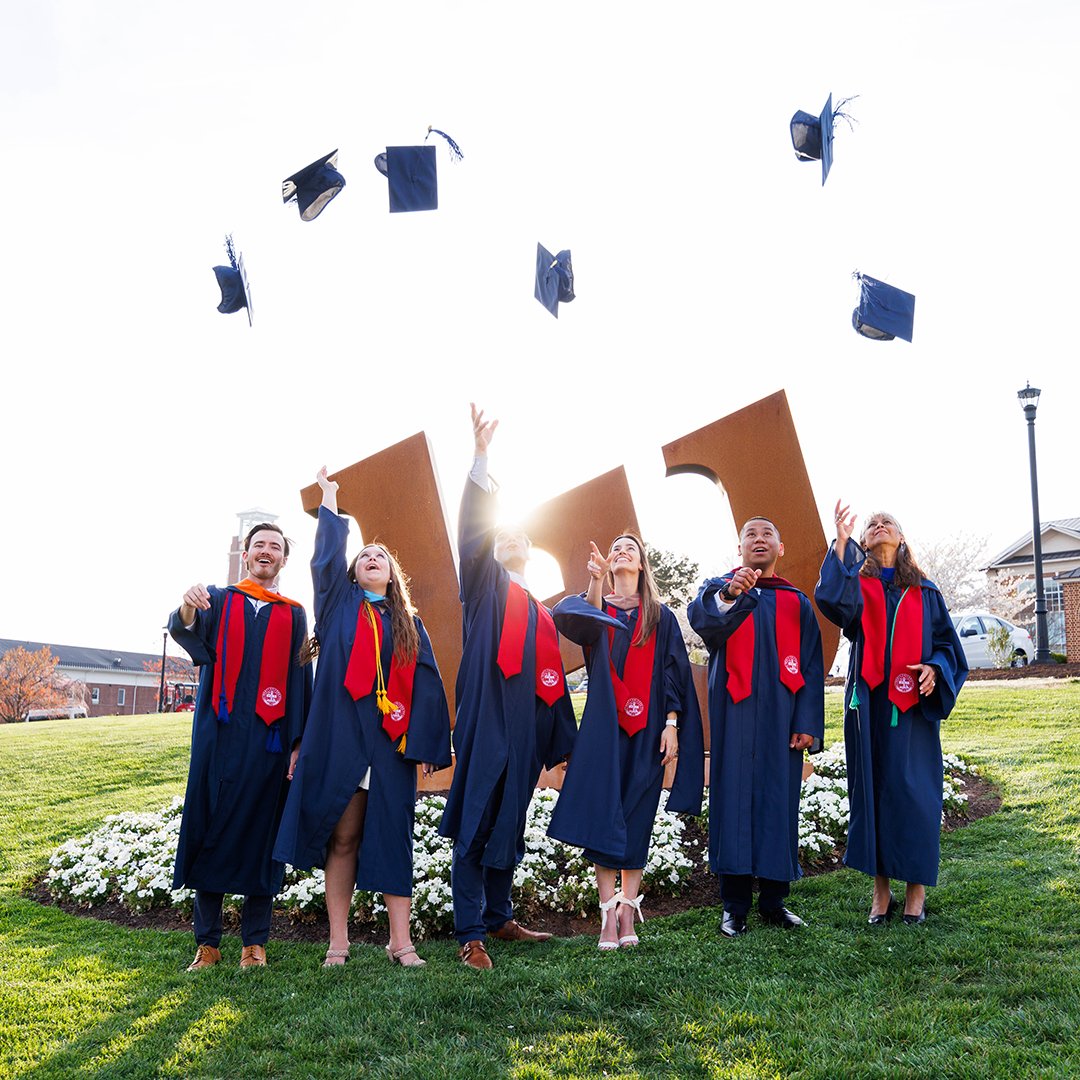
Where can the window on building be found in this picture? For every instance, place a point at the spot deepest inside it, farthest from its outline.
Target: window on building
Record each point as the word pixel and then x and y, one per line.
pixel 1055 597
pixel 95 696
pixel 121 694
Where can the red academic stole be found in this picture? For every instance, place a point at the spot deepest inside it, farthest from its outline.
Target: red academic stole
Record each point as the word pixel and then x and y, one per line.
pixel 632 690
pixel 364 674
pixel 274 666
pixel 549 673
pixel 739 654
pixel 907 634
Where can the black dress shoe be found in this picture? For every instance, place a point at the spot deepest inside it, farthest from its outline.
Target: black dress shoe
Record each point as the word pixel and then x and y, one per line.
pixel 886 915
pixel 780 917
pixel 733 925
pixel 915 920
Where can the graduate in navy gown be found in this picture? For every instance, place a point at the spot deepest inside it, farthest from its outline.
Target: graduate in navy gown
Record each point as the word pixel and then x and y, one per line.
pixel 905 668
pixel 378 711
pixel 641 714
pixel 249 716
pixel 766 706
pixel 513 715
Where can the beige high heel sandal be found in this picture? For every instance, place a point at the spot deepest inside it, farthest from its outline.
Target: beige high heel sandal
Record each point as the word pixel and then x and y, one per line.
pixel 606 907
pixel 631 939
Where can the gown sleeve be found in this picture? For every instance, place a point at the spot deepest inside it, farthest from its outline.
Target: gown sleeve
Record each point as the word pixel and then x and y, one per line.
pixel 713 625
pixel 428 739
pixel 476 540
pixel 946 655
pixel 809 715
pixel 329 567
pixel 837 593
pixel 688 784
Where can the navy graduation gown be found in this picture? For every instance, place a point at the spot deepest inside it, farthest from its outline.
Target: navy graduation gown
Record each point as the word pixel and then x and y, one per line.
pixel 503 731
pixel 755 777
pixel 344 738
pixel 236 789
pixel 613 781
pixel 894 773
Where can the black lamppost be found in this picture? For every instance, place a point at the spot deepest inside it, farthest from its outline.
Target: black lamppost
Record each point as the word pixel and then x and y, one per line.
pixel 1029 399
pixel 161 688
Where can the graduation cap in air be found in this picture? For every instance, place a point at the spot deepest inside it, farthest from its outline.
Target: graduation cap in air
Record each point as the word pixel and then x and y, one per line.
pixel 411 174
pixel 314 186
pixel 884 312
pixel 812 136
pixel 233 282
pixel 554 279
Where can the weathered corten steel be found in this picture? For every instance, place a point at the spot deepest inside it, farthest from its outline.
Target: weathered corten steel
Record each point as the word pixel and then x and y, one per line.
pixel 394 498
pixel 598 510
pixel 754 454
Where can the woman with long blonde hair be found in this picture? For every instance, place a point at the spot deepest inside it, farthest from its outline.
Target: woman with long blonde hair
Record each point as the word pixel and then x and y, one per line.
pixel 641 714
pixel 378 710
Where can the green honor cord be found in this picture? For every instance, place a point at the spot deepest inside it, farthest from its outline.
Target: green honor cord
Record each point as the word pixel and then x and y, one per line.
pixel 892 632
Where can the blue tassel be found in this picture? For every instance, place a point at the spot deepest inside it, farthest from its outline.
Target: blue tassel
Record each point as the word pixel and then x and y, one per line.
pixel 223 710
pixel 455 150
pixel 231 251
pixel 273 740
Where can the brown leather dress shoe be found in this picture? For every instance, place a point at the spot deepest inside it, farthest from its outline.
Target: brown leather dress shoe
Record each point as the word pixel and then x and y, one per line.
pixel 475 954
pixel 205 956
pixel 253 956
pixel 514 931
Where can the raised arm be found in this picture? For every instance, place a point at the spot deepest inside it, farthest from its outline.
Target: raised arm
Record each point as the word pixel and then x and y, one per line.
pixel 598 568
pixel 476 519
pixel 329 567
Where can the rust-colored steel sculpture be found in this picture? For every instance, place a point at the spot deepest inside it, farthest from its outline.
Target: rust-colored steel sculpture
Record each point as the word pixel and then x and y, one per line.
pixel 754 454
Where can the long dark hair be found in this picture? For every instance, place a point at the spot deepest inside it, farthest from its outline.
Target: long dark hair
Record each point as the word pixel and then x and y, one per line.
pixel 649 595
pixel 908 571
pixel 399 601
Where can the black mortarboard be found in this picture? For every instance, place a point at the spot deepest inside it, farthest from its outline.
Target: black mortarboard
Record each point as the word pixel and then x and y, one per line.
pixel 314 186
pixel 233 282
pixel 884 312
pixel 554 279
pixel 412 174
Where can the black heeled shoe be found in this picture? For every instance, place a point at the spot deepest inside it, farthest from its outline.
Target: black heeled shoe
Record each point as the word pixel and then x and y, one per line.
pixel 916 920
pixel 886 915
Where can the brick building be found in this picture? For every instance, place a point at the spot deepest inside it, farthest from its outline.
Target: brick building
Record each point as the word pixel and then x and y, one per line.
pixel 1061 564
pixel 117 683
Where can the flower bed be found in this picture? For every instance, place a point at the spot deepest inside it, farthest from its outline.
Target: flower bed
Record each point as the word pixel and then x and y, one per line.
pixel 130 858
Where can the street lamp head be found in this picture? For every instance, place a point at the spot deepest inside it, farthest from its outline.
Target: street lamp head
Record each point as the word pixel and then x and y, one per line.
pixel 1029 398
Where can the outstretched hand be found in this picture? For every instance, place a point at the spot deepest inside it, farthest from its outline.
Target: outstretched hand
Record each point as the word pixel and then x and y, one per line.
pixel 197 597
pixel 325 482
pixel 743 580
pixel 845 523
pixel 598 566
pixel 482 430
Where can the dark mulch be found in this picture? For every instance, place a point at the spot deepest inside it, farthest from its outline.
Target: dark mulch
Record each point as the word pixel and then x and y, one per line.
pixel 699 891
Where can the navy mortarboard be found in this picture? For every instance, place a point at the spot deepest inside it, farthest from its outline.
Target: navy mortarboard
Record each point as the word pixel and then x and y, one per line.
pixel 411 174
pixel 314 187
pixel 884 312
pixel 554 279
pixel 812 136
pixel 233 282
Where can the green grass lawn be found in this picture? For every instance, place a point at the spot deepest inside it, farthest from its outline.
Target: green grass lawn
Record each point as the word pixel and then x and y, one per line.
pixel 989 987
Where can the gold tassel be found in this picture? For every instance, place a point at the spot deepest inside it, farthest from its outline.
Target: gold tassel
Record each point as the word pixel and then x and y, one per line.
pixel 386 706
pixel 401 745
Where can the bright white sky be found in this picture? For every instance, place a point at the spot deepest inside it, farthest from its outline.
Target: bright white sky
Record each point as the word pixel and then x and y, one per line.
pixel 652 140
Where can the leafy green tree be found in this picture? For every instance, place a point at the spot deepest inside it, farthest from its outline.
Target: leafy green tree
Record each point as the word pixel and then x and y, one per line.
pixel 677 577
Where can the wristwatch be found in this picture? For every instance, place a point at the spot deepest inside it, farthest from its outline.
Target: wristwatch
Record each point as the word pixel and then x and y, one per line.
pixel 726 595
